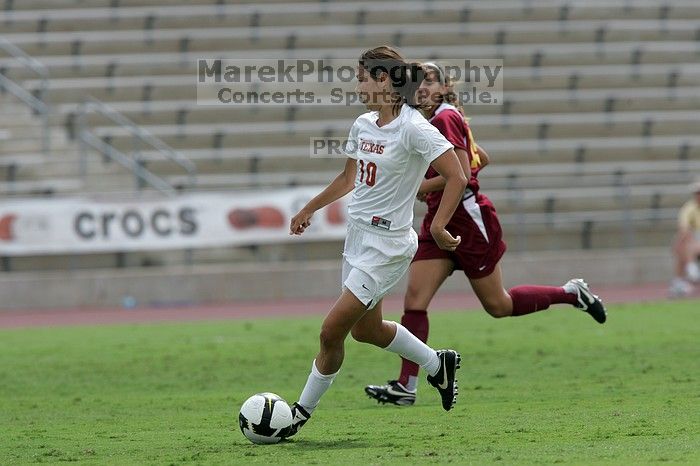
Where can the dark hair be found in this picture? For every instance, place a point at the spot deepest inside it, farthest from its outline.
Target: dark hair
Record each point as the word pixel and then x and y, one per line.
pixel 449 97
pixel 405 77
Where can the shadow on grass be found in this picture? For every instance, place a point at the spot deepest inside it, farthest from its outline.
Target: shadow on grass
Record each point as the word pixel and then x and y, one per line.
pixel 336 444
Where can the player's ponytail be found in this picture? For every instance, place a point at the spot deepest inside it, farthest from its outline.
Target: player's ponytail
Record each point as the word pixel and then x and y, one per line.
pixel 409 81
pixel 405 77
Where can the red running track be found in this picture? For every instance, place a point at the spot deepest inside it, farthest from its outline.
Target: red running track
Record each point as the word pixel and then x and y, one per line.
pixel 296 307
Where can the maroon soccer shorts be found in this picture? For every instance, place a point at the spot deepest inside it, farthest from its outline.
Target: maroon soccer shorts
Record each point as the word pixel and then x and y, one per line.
pixel 482 245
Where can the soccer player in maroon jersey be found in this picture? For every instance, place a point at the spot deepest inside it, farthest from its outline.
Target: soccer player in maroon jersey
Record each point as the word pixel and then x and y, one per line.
pixel 478 254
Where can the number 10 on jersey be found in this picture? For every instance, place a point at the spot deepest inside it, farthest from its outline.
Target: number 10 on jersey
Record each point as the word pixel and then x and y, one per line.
pixel 371 169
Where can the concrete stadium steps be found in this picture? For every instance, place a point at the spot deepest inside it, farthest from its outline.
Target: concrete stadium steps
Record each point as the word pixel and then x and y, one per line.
pixel 517 153
pixel 135 88
pixel 593 100
pixel 30 136
pixel 23 5
pixel 604 174
pixel 42 188
pixel 171 112
pixel 583 150
pixel 314 13
pixel 602 77
pixel 114 66
pixel 586 235
pixel 24 168
pixel 183 112
pixel 542 126
pixel 520 167
pixel 30 174
pixel 543 55
pixel 20 166
pixel 233 135
pixel 598 79
pixel 583 199
pixel 415 34
pixel 240 174
pixel 524 164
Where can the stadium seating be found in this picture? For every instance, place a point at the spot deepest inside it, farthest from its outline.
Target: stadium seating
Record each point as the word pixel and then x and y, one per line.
pixel 595 141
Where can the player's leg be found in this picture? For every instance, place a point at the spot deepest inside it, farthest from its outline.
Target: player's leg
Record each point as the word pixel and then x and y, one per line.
pixel 692 269
pixel 392 336
pixel 481 265
pixel 683 252
pixel 493 297
pixel 518 301
pixel 424 279
pixel 526 299
pixel 683 255
pixel 441 366
pixel 346 311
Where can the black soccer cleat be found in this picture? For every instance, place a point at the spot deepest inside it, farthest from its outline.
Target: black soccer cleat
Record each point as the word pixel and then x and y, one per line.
pixel 445 380
pixel 393 392
pixel 587 301
pixel 299 418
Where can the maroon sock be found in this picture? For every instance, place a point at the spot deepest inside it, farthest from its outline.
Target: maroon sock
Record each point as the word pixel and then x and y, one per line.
pixel 416 322
pixel 532 298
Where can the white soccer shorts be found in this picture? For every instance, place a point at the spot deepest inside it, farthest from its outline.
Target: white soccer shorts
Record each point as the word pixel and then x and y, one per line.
pixel 374 261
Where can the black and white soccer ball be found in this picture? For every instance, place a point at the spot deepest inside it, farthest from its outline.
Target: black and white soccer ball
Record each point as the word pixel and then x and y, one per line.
pixel 265 418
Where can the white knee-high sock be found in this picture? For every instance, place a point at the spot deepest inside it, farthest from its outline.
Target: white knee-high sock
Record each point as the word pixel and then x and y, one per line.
pixel 408 346
pixel 316 386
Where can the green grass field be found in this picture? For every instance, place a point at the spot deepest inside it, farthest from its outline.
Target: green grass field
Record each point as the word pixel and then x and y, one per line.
pixel 550 388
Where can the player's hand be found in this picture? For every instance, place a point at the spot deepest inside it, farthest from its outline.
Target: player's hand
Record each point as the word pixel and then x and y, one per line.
pixel 422 197
pixel 444 239
pixel 300 222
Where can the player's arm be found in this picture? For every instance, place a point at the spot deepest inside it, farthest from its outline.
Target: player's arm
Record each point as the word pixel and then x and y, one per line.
pixel 339 187
pixel 437 183
pixel 449 167
pixel 484 158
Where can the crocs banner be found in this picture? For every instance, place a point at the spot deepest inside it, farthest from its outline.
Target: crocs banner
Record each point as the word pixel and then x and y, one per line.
pixel 80 225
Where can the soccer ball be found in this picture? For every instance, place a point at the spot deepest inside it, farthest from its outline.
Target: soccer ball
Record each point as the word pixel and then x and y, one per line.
pixel 265 418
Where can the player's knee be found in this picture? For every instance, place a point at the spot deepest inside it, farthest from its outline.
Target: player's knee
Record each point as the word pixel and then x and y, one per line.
pixel 695 249
pixel 496 308
pixel 362 334
pixel 413 298
pixel 496 313
pixel 329 337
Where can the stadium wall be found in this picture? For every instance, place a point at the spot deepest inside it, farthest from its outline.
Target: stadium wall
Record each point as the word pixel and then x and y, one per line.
pixel 200 284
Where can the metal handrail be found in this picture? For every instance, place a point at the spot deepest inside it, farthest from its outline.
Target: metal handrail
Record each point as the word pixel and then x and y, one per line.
pixel 37 103
pixel 131 161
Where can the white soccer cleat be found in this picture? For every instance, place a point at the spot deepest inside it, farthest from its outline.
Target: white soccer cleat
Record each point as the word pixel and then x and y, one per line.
pixel 393 392
pixel 679 288
pixel 587 301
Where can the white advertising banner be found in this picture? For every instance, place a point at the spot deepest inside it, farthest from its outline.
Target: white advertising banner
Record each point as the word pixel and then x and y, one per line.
pixel 81 225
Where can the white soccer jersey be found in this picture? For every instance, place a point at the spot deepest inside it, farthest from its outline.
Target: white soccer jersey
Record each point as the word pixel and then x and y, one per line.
pixel 391 162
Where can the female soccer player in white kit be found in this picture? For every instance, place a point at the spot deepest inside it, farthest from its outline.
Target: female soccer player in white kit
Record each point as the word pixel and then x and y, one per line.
pixel 394 146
